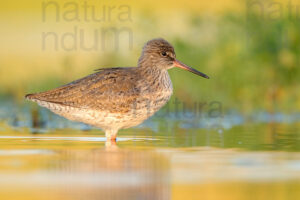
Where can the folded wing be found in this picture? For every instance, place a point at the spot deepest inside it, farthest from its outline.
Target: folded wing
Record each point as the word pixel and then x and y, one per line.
pixel 113 89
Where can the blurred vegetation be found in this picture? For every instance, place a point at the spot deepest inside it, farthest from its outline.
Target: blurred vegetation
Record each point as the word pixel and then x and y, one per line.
pixel 253 60
pixel 253 63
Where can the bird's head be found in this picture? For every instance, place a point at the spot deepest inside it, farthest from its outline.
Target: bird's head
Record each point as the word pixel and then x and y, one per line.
pixel 160 53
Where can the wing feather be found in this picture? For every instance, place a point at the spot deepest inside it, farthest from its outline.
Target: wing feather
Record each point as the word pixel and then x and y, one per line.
pixel 111 89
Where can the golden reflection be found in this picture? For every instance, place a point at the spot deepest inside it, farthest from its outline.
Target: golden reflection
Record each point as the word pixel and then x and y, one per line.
pixel 109 172
pixel 78 165
pixel 111 145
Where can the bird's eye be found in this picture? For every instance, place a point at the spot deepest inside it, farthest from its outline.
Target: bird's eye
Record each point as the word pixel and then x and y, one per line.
pixel 163 53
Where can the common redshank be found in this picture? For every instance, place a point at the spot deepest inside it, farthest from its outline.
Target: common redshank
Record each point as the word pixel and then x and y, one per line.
pixel 118 98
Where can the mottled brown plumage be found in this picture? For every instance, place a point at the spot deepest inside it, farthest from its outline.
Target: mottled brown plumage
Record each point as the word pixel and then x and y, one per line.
pixel 116 98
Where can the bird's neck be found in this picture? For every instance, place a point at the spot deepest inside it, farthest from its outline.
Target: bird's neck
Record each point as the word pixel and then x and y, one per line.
pixel 156 78
pixel 150 70
pixel 148 67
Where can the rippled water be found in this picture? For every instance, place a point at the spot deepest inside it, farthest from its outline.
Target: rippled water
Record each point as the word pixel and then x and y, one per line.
pixel 233 156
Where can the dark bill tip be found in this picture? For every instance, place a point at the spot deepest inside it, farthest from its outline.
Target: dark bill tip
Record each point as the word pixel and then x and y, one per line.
pixel 181 65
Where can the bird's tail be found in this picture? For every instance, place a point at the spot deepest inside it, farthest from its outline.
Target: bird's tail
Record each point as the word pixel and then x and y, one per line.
pixel 29 96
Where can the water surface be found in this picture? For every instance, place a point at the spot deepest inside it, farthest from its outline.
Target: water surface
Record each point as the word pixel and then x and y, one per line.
pixel 230 157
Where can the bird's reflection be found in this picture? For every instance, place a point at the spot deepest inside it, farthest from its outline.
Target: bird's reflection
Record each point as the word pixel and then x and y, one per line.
pixel 111 145
pixel 113 172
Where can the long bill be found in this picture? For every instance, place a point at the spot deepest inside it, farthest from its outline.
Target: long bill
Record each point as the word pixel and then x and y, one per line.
pixel 181 65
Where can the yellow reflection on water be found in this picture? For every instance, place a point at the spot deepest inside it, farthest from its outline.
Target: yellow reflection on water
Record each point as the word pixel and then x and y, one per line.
pixel 82 166
pixel 98 173
pixel 238 190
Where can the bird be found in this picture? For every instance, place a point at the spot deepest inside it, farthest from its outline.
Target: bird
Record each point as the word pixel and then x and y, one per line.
pixel 120 97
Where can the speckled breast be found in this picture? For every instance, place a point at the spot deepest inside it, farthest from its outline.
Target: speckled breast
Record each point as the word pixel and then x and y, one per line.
pixel 154 94
pixel 152 98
